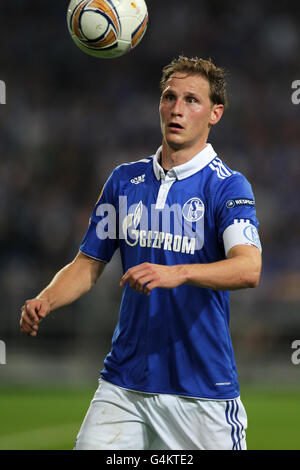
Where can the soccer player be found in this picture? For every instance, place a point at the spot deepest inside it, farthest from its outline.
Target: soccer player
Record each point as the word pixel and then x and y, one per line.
pixel 186 228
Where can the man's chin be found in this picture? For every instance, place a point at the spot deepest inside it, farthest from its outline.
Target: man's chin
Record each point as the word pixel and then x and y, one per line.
pixel 175 144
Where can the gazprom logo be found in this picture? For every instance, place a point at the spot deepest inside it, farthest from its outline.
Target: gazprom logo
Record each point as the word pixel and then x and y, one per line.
pixel 2 92
pixel 149 227
pixel 131 222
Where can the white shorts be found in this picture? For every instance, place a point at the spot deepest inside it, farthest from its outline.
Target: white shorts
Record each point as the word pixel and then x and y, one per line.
pixel 121 419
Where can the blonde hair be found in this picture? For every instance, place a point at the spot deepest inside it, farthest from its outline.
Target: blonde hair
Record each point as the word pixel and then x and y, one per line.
pixel 196 66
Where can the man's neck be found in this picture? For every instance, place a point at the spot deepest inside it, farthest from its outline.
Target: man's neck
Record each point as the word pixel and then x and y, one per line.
pixel 170 157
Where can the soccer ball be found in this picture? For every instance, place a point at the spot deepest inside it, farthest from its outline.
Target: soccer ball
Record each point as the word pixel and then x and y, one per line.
pixel 107 28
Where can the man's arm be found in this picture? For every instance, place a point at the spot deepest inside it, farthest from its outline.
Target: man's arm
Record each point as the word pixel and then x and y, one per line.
pixel 70 283
pixel 240 270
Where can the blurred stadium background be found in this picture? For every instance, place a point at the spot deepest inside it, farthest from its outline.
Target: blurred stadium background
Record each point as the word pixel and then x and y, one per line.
pixel 69 119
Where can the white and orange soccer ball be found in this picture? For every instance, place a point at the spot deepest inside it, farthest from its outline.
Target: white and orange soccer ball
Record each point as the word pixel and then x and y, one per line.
pixel 107 28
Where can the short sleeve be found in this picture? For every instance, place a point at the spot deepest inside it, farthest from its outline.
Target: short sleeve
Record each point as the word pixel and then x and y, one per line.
pixel 236 214
pixel 100 240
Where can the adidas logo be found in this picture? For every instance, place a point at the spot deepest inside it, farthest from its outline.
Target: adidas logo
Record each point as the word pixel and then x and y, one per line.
pixel 138 179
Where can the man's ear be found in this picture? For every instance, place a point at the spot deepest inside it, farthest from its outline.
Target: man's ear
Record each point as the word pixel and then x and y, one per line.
pixel 216 114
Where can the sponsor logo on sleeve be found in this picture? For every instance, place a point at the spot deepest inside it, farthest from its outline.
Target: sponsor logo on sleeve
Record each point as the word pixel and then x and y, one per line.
pixel 239 202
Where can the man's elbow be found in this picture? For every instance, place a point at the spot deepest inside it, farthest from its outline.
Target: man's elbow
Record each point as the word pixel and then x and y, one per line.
pixel 249 263
pixel 251 279
pixel 253 282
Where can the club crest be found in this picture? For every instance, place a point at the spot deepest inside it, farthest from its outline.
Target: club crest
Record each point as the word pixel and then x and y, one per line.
pixel 193 210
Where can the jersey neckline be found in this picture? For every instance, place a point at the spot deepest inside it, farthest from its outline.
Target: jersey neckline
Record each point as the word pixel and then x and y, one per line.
pixel 195 164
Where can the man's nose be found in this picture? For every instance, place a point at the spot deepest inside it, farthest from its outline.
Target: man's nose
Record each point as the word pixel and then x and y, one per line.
pixel 177 108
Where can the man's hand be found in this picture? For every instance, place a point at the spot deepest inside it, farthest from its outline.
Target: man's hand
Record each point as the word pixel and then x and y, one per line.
pixel 33 312
pixel 147 276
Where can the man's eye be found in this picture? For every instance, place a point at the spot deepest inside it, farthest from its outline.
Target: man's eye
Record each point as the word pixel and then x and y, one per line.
pixel 169 97
pixel 191 99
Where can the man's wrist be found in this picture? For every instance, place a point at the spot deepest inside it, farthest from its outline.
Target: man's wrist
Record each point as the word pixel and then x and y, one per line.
pixel 45 297
pixel 184 273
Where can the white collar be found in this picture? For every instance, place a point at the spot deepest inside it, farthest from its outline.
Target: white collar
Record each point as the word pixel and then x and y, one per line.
pixel 197 163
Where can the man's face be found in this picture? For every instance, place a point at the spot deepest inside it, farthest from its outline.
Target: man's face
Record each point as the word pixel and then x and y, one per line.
pixel 186 111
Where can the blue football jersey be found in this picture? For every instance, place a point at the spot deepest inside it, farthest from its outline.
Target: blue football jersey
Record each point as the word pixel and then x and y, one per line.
pixel 174 341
